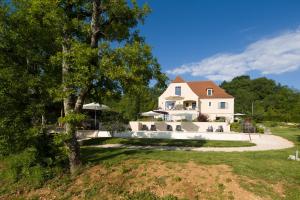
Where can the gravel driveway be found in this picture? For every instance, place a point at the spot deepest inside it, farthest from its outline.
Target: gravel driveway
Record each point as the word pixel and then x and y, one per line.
pixel 263 143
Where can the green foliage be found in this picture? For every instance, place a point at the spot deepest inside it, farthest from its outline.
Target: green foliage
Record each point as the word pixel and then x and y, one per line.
pixel 260 129
pixel 221 119
pixel 73 118
pixel 26 42
pixel 142 99
pixel 34 165
pixel 23 166
pixel 33 33
pixel 236 127
pixel 271 101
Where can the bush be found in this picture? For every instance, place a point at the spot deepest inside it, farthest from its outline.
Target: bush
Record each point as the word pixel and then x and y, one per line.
pixel 273 124
pixel 202 118
pixel 23 166
pixel 236 127
pixel 159 119
pixel 220 119
pixel 32 166
pixel 260 129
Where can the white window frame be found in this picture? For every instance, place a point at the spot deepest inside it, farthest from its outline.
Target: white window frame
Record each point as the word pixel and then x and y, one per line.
pixel 179 90
pixel 225 104
pixel 211 91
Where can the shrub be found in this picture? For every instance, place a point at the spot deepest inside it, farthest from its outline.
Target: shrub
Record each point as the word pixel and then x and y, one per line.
pixel 273 124
pixel 183 120
pixel 202 118
pixel 220 119
pixel 260 129
pixel 29 168
pixel 23 166
pixel 236 127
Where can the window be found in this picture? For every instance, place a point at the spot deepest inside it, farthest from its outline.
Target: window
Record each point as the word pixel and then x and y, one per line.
pixel 170 105
pixel 222 105
pixel 194 105
pixel 209 92
pixel 209 104
pixel 178 90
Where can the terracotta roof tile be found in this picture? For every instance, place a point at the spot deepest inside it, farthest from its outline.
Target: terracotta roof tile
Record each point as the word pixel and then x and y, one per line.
pixel 178 79
pixel 200 88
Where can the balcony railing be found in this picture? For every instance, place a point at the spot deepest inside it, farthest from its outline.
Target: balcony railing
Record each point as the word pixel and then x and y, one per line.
pixel 184 108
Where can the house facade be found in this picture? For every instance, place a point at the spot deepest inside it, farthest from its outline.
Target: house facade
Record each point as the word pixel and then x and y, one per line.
pixel 185 100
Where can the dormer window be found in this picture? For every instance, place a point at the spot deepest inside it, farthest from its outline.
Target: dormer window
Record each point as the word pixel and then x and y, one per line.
pixel 178 90
pixel 209 92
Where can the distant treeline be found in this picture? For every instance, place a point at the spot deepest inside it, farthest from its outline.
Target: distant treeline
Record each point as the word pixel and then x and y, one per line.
pixel 271 101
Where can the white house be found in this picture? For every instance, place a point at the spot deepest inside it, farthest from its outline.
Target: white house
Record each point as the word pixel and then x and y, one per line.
pixel 187 99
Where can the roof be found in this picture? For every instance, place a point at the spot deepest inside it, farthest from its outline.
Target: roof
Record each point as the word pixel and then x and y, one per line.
pixel 200 89
pixel 178 79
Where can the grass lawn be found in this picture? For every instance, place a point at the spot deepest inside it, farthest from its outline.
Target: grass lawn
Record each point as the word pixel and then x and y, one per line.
pixel 267 167
pixel 116 173
pixel 166 142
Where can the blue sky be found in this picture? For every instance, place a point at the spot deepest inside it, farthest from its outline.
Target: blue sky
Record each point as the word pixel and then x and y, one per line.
pixel 220 39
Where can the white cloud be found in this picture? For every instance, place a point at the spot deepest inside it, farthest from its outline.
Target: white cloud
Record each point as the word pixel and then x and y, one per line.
pixel 268 56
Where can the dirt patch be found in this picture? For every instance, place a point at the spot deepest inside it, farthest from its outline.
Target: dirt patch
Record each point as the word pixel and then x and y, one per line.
pixel 183 180
pixel 279 188
pixel 190 181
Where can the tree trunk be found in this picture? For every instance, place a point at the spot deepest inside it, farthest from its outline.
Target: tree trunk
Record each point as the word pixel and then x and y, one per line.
pixel 74 148
pixel 69 103
pixel 137 106
pixel 72 103
pixel 95 29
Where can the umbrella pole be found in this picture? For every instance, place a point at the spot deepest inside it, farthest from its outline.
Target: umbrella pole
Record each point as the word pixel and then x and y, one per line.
pixel 95 119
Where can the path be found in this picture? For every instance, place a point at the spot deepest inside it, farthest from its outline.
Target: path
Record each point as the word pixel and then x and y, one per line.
pixel 264 143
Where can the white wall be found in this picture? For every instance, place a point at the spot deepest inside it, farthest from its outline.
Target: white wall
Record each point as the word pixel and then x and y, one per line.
pixel 186 126
pixel 188 135
pixel 170 135
pixel 186 93
pixel 214 111
pixel 80 134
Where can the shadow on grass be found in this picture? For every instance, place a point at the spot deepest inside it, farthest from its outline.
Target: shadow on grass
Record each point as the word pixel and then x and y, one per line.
pixel 298 138
pixel 98 155
pixel 145 142
pixel 166 142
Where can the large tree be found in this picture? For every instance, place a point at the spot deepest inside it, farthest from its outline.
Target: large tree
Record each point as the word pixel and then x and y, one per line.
pixel 66 51
pixel 26 45
pixel 99 43
pixel 269 100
